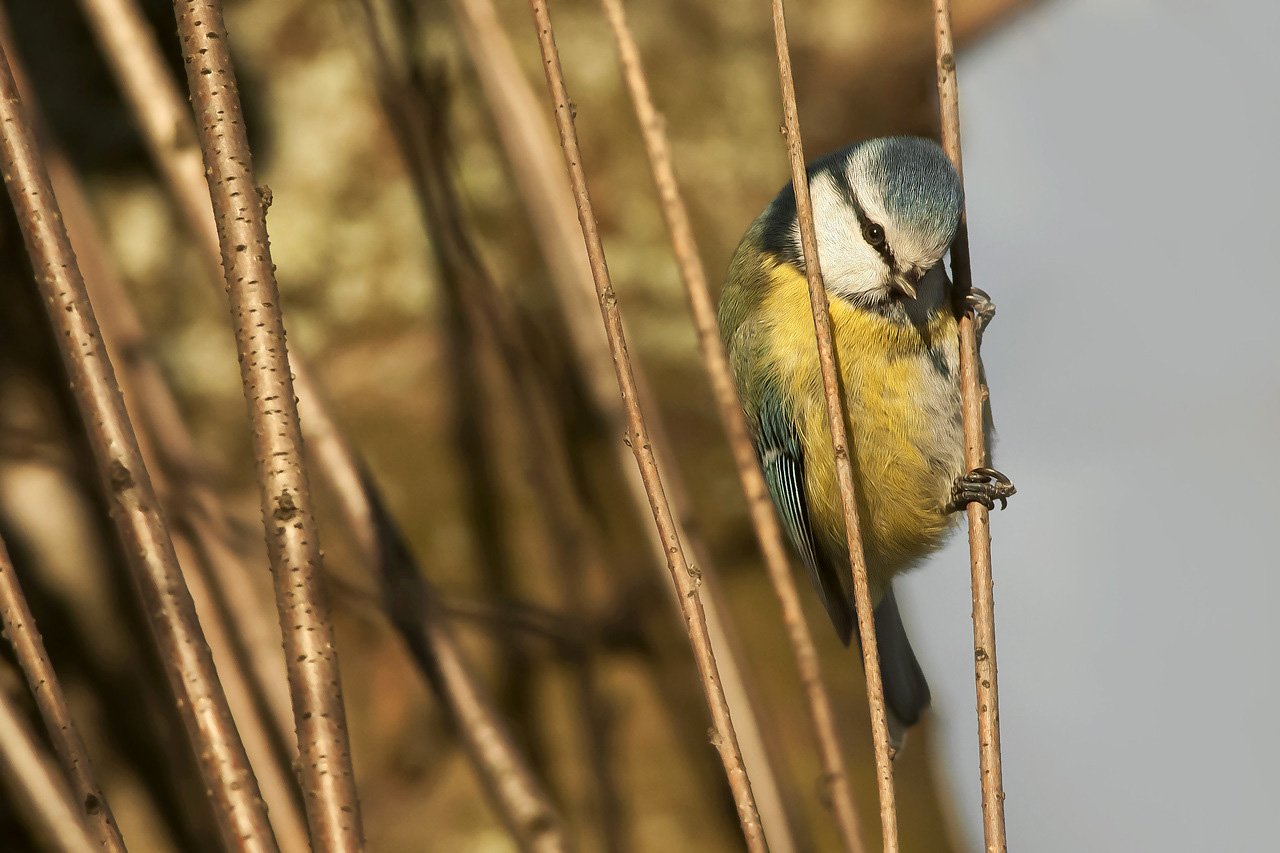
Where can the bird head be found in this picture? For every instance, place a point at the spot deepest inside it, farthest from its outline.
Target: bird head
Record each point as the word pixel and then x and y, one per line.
pixel 885 212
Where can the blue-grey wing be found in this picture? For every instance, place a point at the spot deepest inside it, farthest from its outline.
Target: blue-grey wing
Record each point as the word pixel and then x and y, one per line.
pixel 782 458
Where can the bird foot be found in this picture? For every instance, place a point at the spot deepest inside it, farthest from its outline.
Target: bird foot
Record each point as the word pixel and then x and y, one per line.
pixel 981 485
pixel 984 310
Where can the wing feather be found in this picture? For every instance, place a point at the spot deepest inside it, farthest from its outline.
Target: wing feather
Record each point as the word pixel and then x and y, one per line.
pixel 782 458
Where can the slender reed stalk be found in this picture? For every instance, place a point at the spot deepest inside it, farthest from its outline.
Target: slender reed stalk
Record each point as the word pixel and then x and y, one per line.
pixel 28 647
pixel 158 108
pixel 537 169
pixel 33 782
pixel 973 397
pixel 156 104
pixel 715 359
pixel 201 700
pixel 839 438
pixel 246 649
pixel 164 119
pixel 328 779
pixel 726 740
pixel 245 646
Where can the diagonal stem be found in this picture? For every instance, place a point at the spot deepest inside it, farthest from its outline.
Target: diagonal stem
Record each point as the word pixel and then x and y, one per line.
pixel 836 423
pixel 725 739
pixel 201 699
pixel 973 397
pixel 33 782
pixel 28 647
pixel 297 563
pixel 763 517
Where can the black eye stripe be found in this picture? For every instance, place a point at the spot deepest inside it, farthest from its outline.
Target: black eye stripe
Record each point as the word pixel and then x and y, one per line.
pixel 870 230
pixel 841 178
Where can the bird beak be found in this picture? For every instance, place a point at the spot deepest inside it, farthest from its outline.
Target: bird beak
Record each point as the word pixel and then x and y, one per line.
pixel 905 283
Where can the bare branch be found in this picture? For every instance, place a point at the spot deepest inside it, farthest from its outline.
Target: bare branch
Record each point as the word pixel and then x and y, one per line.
pixel 764 520
pixel 328 780
pixel 836 423
pixel 246 646
pixel 128 490
pixel 537 170
pixel 156 103
pixel 726 740
pixel 28 648
pixel 973 398
pixel 33 782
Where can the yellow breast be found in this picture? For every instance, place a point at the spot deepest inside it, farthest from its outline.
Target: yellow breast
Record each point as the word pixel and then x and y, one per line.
pixel 903 407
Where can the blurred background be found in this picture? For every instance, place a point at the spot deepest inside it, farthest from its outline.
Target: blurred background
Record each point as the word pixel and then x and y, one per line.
pixel 1121 188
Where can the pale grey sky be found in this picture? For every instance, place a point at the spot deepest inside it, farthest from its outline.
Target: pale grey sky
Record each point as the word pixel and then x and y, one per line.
pixel 1121 164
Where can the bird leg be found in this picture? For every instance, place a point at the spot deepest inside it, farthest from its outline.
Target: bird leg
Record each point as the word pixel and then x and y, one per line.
pixel 984 485
pixel 984 310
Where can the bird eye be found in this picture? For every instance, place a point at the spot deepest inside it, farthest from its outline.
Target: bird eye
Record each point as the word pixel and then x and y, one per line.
pixel 874 234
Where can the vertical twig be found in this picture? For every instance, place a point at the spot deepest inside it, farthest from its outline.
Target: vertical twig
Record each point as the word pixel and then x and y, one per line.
pixel 28 648
pixel 764 520
pixel 33 782
pixel 695 620
pixel 328 780
pixel 128 490
pixel 538 171
pixel 273 767
pixel 166 124
pixel 246 649
pixel 836 423
pixel 973 396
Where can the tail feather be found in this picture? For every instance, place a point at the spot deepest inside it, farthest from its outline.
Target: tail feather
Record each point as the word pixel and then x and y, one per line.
pixel 906 692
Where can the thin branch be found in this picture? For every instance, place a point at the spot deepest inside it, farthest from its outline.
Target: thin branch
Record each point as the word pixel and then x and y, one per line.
pixel 726 740
pixel 973 397
pixel 538 173
pixel 128 490
pixel 162 115
pixel 274 766
pixel 328 780
pixel 33 782
pixel 156 104
pixel 246 648
pixel 837 424
pixel 764 520
pixel 28 647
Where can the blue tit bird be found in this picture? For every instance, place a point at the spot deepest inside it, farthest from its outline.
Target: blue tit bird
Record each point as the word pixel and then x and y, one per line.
pixel 885 212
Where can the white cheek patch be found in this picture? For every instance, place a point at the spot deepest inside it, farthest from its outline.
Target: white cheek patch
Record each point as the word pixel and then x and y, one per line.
pixel 849 265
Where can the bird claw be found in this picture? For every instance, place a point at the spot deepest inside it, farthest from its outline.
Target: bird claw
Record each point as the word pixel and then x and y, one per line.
pixel 984 310
pixel 981 485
